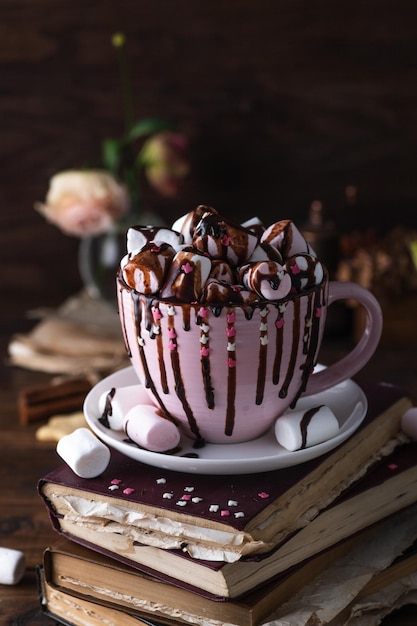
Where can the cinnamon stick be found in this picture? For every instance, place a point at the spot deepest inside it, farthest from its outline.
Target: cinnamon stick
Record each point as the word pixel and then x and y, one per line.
pixel 42 401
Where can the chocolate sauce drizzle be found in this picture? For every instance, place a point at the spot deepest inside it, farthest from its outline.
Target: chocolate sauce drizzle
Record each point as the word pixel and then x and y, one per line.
pixel 305 421
pixel 108 408
pixel 144 318
pixel 263 353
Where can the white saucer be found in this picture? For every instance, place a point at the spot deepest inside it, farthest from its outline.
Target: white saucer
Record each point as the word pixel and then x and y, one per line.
pixel 347 401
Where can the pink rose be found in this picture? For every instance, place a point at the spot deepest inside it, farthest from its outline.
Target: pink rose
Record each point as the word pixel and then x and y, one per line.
pixel 164 160
pixel 84 203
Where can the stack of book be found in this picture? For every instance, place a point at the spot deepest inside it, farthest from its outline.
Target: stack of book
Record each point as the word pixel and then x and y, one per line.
pixel 143 545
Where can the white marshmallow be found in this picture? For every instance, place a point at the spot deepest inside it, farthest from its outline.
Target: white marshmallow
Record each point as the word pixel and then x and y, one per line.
pixel 12 566
pixel 85 454
pixel 187 276
pixel 285 236
pixel 138 237
pixel 149 430
pixel 409 423
pixel 266 278
pixel 115 403
pixel 302 429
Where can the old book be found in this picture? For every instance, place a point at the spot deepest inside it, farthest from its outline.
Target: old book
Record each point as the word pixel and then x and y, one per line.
pixel 388 487
pixel 72 611
pixel 221 518
pixel 367 563
pixel 73 569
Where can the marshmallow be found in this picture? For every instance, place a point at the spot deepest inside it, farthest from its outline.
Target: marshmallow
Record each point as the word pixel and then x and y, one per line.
pixel 186 223
pixel 222 239
pixel 145 270
pixel 305 270
pixel 146 427
pixel 86 455
pixel 139 236
pixel 187 276
pixel 409 423
pixel 266 278
pixel 265 252
pixel 286 237
pixel 12 566
pixel 115 403
pixel 221 292
pixel 301 429
pixel 255 225
pixel 220 270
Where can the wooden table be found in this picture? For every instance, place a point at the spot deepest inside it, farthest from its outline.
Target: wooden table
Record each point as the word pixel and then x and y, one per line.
pixel 24 523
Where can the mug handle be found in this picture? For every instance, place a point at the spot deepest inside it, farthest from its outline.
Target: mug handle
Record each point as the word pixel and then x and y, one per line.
pixel 350 364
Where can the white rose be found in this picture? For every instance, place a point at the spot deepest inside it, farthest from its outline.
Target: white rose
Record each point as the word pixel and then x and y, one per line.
pixel 84 203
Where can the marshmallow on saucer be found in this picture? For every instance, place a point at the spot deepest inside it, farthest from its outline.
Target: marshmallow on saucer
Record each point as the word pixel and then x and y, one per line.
pixel 85 454
pixel 151 431
pixel 115 403
pixel 12 566
pixel 409 423
pixel 301 429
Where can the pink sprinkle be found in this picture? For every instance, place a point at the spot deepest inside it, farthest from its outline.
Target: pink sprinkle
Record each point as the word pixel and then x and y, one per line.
pixel 128 491
pixel 295 269
pixel 172 333
pixel 230 362
pixel 392 466
pixel 172 345
pixel 203 312
pixel 263 495
pixel 225 240
pixel 186 496
pixel 236 288
pixel 187 268
pixel 157 314
pixel 230 332
pixel 204 351
pixel 318 311
pixel 231 318
pixel 280 323
pixel 115 481
pixel 224 513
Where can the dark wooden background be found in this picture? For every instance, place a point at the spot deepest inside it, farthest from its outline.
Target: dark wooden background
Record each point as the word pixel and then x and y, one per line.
pixel 284 101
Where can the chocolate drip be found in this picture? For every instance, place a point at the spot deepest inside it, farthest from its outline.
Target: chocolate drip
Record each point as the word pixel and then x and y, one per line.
pixel 186 317
pixel 205 364
pixel 279 340
pixel 108 409
pixel 161 360
pixel 123 316
pixel 263 352
pixel 149 383
pixel 307 326
pixel 180 391
pixel 319 300
pixel 294 349
pixel 305 421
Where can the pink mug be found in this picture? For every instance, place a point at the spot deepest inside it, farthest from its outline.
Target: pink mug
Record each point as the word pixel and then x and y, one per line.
pixel 225 374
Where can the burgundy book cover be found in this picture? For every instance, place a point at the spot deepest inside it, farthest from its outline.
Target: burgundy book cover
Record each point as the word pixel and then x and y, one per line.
pixel 143 485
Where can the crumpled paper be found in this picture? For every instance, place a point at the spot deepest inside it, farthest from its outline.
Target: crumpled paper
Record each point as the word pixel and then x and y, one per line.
pixel 329 599
pixel 83 336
